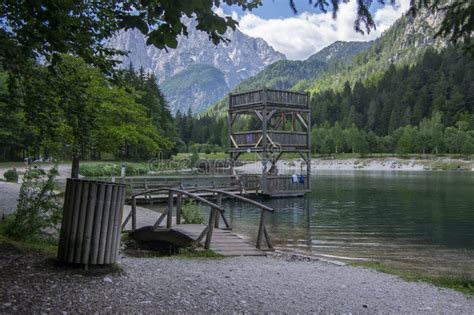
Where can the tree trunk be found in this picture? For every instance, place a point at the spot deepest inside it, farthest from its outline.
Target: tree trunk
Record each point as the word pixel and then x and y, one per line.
pixel 75 167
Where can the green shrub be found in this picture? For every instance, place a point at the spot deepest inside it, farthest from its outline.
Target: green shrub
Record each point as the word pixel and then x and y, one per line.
pixel 194 158
pixel 191 213
pixel 38 210
pixel 37 172
pixel 111 169
pixel 135 170
pixel 11 175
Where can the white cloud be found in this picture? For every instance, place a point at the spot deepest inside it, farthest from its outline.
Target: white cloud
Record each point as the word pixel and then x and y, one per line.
pixel 220 12
pixel 301 36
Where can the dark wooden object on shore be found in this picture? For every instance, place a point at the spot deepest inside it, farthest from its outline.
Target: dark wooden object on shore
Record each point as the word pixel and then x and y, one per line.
pixel 92 216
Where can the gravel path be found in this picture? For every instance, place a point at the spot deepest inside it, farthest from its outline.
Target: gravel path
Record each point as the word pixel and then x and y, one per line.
pixel 29 284
pixel 8 197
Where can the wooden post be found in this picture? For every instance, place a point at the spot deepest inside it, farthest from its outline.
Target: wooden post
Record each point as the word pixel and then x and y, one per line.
pixel 260 228
pixel 81 223
pixel 75 220
pixel 264 140
pixel 87 239
pixel 179 200
pixel 267 238
pixel 212 218
pixel 308 163
pixel 115 239
pixel 105 224
pixel 134 213
pixel 63 239
pixel 97 225
pixel 219 203
pixel 229 132
pixel 169 218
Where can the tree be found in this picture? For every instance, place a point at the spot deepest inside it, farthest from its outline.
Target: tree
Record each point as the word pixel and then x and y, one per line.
pixel 77 109
pixel 123 126
pixel 352 136
pixel 12 122
pixel 405 142
pixel 456 137
pixel 436 130
pixel 338 136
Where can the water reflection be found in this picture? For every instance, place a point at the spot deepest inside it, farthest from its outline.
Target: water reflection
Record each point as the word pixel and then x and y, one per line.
pixel 424 219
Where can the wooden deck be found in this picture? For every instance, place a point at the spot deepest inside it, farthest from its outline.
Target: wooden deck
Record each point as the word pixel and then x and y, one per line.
pixel 224 242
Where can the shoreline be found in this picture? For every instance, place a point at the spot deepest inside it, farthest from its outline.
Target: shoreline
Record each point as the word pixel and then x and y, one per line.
pixel 365 164
pixel 273 284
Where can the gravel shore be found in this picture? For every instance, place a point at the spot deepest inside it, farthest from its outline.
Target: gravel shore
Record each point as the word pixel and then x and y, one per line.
pixel 31 284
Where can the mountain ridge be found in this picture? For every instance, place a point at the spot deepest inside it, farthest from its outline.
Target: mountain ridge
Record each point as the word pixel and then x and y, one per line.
pixel 285 74
pixel 242 57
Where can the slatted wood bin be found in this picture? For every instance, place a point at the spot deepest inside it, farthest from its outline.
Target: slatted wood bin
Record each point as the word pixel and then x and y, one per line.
pixel 92 216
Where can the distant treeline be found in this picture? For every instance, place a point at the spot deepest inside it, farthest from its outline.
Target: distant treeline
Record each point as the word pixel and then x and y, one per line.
pixel 430 136
pixel 425 108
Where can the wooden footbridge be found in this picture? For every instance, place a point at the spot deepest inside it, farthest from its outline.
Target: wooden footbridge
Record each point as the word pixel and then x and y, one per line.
pixel 211 235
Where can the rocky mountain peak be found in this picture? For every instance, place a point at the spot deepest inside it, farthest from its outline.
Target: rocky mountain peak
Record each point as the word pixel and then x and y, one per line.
pixel 242 57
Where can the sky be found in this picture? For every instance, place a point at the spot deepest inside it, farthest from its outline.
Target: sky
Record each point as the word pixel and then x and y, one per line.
pixel 300 35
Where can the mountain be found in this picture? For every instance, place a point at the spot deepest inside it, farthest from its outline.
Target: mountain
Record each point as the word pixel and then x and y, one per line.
pixel 404 43
pixel 239 59
pixel 198 85
pixel 285 74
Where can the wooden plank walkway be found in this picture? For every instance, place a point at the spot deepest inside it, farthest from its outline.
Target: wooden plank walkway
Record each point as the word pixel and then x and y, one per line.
pixel 223 242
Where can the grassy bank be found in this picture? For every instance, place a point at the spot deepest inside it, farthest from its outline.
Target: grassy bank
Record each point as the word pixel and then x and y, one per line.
pixel 46 247
pixel 463 283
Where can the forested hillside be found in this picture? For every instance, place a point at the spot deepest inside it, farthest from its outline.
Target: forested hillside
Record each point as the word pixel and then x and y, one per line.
pixel 403 96
pixel 197 87
pixel 404 43
pixel 428 107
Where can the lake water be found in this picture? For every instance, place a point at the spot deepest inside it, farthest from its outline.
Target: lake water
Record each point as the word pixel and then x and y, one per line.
pixel 416 220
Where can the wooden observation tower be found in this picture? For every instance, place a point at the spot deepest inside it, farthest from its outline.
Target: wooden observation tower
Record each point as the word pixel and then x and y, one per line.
pixel 280 122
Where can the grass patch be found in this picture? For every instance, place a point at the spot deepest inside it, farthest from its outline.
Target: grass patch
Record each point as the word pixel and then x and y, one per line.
pixel 463 283
pixel 197 254
pixel 45 246
pixel 192 213
pixel 449 165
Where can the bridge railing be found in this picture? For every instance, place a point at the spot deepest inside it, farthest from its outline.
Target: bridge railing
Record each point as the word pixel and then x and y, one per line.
pixel 262 230
pixel 216 211
pixel 169 212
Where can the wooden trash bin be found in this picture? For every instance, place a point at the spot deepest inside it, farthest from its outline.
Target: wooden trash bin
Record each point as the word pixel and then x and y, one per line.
pixel 92 217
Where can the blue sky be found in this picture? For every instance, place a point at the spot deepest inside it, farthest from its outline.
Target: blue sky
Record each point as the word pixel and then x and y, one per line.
pixel 281 8
pixel 300 35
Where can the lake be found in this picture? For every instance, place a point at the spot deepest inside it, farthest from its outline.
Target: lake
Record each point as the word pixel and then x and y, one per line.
pixel 416 220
